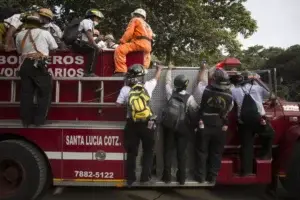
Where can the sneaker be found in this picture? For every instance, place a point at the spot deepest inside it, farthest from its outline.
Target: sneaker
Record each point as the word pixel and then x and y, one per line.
pixel 265 157
pixel 200 180
pixel 211 180
pixel 166 179
pixel 130 183
pixel 25 125
pixel 39 123
pixel 245 174
pixel 180 180
pixel 146 183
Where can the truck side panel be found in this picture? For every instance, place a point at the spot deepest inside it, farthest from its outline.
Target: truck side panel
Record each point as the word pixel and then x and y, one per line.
pixel 68 64
pixel 93 155
pixel 48 140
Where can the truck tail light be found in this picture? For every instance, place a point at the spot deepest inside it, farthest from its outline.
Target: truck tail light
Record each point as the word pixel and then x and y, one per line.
pixel 293 119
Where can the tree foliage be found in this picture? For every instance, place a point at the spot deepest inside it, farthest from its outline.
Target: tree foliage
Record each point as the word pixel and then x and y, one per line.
pixel 255 57
pixel 285 61
pixel 187 31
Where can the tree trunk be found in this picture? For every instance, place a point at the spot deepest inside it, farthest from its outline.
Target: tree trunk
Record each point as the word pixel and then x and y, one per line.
pixel 169 55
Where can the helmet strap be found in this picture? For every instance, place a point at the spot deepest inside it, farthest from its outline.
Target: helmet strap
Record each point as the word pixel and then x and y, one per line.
pixel 138 15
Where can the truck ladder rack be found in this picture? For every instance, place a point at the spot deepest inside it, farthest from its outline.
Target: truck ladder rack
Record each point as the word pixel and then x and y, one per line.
pixel 57 103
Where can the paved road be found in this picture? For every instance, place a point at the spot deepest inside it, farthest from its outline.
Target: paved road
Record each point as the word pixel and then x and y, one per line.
pixel 218 193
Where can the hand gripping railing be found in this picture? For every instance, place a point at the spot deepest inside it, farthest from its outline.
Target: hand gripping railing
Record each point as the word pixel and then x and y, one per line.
pixel 58 80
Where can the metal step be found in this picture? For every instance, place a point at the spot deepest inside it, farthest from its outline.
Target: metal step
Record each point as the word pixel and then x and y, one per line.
pixel 172 184
pixel 155 182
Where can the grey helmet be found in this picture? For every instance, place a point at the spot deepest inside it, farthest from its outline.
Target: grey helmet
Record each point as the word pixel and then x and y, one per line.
pixel 181 82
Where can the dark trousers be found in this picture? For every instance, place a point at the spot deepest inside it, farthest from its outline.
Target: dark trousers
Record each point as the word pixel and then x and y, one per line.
pixel 172 140
pixel 246 133
pixel 35 79
pixel 210 143
pixel 91 55
pixel 134 133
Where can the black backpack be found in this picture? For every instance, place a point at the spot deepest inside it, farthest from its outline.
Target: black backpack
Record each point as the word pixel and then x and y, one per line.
pixel 6 13
pixel 174 115
pixel 249 111
pixel 71 33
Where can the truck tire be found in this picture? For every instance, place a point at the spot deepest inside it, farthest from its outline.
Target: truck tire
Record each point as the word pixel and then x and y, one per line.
pixel 23 171
pixel 292 181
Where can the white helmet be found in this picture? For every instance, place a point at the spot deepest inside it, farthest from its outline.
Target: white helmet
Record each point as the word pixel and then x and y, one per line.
pixel 140 11
pixel 109 37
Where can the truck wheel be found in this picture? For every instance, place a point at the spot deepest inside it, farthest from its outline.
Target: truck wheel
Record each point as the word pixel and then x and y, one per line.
pixel 292 181
pixel 23 171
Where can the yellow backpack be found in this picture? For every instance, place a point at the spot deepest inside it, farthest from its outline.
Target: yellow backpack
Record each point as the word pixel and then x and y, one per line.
pixel 139 104
pixel 3 30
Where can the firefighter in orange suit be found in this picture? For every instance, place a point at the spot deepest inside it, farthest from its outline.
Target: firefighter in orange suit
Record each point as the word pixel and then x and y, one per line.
pixel 138 37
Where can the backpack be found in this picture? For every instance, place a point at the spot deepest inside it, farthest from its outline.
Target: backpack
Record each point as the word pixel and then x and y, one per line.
pixel 174 116
pixel 6 13
pixel 71 33
pixel 249 111
pixel 139 104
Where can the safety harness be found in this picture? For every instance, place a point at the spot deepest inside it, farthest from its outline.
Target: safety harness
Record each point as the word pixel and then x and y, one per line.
pixel 35 56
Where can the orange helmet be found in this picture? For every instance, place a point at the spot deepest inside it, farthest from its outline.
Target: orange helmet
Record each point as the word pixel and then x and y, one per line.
pixel 45 12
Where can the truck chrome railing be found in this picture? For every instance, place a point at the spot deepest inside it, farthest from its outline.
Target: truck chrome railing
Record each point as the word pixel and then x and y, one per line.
pixel 57 82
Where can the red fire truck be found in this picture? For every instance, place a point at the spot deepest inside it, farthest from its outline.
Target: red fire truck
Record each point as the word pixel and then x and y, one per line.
pixel 82 143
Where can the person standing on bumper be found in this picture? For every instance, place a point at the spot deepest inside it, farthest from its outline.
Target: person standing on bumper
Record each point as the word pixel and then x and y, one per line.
pixel 258 126
pixel 86 44
pixel 141 130
pixel 138 37
pixel 34 44
pixel 179 136
pixel 215 104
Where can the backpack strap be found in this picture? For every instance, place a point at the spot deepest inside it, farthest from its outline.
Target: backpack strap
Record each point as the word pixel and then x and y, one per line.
pixel 137 86
pixel 36 56
pixel 24 39
pixel 138 89
pixel 183 97
pixel 52 31
pixel 33 43
pixel 249 89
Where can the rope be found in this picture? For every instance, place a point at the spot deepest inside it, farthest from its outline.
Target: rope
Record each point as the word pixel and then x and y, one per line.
pixel 158 196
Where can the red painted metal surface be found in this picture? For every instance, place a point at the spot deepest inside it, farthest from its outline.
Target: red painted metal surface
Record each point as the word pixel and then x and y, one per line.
pixel 67 64
pixel 46 139
pixel 228 175
pixel 88 164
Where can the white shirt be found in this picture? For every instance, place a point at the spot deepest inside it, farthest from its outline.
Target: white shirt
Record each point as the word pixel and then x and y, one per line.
pixel 190 104
pixel 44 42
pixel 113 46
pixel 257 92
pixel 124 93
pixel 198 93
pixel 105 46
pixel 13 21
pixel 54 30
pixel 101 44
pixel 85 26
